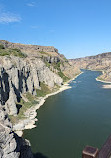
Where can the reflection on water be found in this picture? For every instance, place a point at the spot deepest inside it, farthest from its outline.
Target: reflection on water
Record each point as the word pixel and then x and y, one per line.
pixel 72 119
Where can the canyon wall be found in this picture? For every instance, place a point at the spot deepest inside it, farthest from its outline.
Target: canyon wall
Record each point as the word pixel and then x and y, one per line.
pixel 100 62
pixel 19 76
pixel 27 73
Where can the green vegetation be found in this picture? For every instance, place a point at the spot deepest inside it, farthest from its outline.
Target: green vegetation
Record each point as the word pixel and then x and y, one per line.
pixel 17 52
pixel 3 52
pixel 48 64
pixel 65 78
pixel 100 78
pixel 23 107
pixel 2 46
pixel 13 119
pixel 43 52
pixel 43 91
pixel 57 66
pixel 14 52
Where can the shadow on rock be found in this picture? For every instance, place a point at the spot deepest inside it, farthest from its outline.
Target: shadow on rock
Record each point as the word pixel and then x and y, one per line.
pixel 39 155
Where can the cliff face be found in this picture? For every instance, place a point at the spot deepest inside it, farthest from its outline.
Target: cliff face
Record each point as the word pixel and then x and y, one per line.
pixel 31 50
pixel 98 62
pixel 18 76
pixel 27 72
pixel 11 145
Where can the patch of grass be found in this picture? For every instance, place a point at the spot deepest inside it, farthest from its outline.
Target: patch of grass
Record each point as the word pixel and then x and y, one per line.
pixel 24 107
pixel 100 78
pixel 2 46
pixel 14 52
pixel 43 52
pixel 57 66
pixel 44 90
pixel 17 52
pixel 48 64
pixel 3 52
pixel 30 97
pixel 65 78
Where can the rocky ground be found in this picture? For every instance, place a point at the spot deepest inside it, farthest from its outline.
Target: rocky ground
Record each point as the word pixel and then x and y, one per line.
pixel 11 145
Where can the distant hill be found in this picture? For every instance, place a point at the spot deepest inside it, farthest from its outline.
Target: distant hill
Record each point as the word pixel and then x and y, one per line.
pixel 97 62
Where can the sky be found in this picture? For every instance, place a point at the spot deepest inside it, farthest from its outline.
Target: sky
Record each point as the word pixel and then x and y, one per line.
pixel 77 28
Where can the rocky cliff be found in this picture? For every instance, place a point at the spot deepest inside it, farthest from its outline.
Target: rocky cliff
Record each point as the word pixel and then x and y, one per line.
pixel 11 145
pixel 31 50
pixel 27 72
pixel 19 76
pixel 100 62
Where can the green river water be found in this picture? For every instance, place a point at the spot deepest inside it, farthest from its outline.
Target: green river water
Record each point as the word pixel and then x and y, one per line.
pixel 72 119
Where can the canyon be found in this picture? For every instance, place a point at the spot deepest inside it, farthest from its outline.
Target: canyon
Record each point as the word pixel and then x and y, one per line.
pixel 100 62
pixel 27 74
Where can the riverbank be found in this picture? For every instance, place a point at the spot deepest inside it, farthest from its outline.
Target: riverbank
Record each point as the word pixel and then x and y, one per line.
pixel 31 113
pixel 102 81
pixel 109 86
pixel 60 119
pixel 106 86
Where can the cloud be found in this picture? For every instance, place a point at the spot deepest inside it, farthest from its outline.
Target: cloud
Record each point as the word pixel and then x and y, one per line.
pixel 9 18
pixel 32 4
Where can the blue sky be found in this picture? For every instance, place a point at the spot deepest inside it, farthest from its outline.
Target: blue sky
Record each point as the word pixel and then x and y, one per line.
pixel 77 28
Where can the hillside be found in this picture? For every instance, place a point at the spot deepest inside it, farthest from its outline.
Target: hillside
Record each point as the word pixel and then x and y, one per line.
pixel 100 62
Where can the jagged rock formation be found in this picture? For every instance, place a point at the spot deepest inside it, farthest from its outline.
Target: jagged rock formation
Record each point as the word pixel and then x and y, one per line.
pixel 18 76
pixel 11 146
pixel 99 62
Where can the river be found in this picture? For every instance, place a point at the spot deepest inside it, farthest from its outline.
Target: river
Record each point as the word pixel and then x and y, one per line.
pixel 72 119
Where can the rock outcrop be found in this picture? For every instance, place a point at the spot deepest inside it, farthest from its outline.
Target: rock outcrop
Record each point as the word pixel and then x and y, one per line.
pixel 18 76
pixel 11 145
pixel 31 49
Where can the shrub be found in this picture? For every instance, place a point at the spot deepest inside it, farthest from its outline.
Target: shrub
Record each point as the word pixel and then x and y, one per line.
pixel 2 46
pixel 44 90
pixel 3 52
pixel 43 52
pixel 65 78
pixel 17 52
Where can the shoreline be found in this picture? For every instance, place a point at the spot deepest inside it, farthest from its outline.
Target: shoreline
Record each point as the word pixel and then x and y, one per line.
pixel 103 81
pixel 106 86
pixel 99 79
pixel 31 113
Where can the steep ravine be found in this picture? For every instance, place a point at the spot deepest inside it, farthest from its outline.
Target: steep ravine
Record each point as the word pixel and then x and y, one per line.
pixel 27 73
